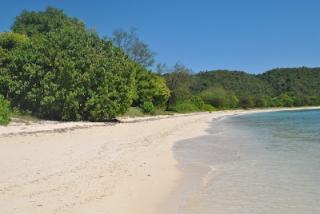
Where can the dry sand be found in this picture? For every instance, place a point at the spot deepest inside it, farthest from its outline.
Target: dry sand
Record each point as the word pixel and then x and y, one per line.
pixel 109 168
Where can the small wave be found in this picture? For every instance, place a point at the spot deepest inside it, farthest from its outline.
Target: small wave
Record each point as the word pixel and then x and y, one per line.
pixel 208 177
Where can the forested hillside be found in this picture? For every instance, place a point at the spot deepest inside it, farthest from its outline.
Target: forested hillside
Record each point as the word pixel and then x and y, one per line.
pixel 232 89
pixel 53 67
pixel 240 83
pixel 303 84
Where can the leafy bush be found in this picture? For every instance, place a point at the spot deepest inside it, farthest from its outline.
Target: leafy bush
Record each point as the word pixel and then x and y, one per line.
pixel 284 100
pixel 219 97
pixel 276 102
pixel 306 100
pixel 5 112
pixel 192 105
pixel 246 102
pixel 260 101
pixel 208 107
pixel 148 107
pixel 150 87
pixel 161 92
pixel 185 107
pixel 288 101
pixel 198 102
pixel 67 73
pixel 134 112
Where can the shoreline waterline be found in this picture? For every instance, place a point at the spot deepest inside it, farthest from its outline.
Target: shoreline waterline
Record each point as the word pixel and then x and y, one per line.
pixel 189 159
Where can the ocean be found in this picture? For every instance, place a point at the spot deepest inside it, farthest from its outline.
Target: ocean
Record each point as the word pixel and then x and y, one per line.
pixel 258 163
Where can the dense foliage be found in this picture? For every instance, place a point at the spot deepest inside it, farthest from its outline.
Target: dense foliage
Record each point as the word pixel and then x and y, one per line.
pixel 295 86
pixel 233 89
pixel 150 87
pixel 32 23
pixel 4 111
pixel 179 82
pixel 55 68
pixel 65 72
pixel 240 83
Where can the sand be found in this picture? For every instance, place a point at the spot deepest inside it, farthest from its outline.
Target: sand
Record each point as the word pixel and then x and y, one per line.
pixel 116 168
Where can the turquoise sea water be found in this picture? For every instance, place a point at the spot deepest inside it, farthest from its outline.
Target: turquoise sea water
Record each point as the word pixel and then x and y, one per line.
pixel 256 163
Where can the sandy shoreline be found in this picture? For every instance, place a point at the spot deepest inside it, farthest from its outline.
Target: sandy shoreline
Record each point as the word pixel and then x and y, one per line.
pixel 127 167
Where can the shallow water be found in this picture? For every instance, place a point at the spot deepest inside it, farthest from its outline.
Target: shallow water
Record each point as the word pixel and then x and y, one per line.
pixel 256 163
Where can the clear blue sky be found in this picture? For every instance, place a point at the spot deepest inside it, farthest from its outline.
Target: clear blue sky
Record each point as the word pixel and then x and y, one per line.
pixel 249 35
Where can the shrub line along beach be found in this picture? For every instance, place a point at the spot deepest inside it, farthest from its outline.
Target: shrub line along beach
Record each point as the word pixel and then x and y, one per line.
pixel 53 67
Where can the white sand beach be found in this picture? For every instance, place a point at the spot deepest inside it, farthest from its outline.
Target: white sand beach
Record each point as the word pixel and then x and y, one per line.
pixel 118 168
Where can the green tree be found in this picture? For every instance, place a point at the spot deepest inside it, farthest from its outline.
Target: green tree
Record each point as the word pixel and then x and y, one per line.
pixel 261 101
pixel 179 82
pixel 287 101
pixel 161 92
pixel 32 23
pixel 295 82
pixel 246 102
pixel 148 107
pixel 69 73
pixel 150 87
pixel 132 45
pixel 8 43
pixel 198 102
